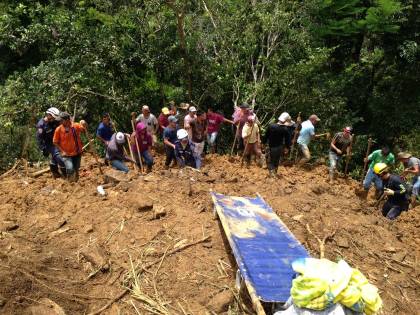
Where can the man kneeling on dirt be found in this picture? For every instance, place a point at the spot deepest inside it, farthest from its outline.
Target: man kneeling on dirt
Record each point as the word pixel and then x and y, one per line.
pixel 45 129
pixel 144 141
pixel 68 141
pixel 184 150
pixel 395 189
pixel 411 166
pixel 115 152
pixel 340 145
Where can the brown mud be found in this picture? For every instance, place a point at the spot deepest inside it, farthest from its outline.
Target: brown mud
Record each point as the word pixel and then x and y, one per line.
pixel 63 243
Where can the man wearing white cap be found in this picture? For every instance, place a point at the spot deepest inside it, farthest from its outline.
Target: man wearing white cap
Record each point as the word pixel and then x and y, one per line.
pixel 279 140
pixel 150 121
pixel 307 133
pixel 411 167
pixel 188 119
pixel 115 152
pixel 45 129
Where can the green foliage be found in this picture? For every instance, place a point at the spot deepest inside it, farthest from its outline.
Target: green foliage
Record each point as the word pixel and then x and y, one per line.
pixel 351 62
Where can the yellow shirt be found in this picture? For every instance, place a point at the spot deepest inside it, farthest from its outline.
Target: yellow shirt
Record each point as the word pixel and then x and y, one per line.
pixel 246 132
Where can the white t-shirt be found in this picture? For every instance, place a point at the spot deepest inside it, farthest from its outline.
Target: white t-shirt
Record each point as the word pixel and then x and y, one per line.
pixel 150 122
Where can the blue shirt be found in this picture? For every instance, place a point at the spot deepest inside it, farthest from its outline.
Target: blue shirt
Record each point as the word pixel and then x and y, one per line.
pixel 306 133
pixel 170 134
pixel 104 131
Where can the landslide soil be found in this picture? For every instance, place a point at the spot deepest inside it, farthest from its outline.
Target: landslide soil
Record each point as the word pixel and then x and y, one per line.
pixel 67 243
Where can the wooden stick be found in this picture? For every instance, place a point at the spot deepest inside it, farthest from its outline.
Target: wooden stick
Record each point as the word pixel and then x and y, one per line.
pixel 366 158
pixel 39 173
pixel 234 140
pixel 95 155
pixel 133 117
pixel 346 169
pixel 321 242
pixel 10 170
pixel 123 293
pixel 295 135
pixel 87 144
pixel 131 153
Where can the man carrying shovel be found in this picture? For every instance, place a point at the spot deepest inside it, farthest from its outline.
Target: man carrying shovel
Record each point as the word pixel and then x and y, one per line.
pixel 251 136
pixel 339 146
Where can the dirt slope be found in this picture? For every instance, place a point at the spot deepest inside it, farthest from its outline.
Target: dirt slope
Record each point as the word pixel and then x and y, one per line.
pixel 65 242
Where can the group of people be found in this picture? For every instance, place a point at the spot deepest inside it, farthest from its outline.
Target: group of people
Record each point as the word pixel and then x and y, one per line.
pixel 184 130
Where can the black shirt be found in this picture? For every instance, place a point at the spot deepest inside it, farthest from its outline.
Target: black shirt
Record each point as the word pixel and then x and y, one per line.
pixel 277 135
pixel 395 183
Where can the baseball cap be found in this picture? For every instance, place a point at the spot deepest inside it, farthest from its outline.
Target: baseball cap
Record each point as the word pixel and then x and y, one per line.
pixel 192 109
pixel 65 116
pixel 314 117
pixel 244 105
pixel 119 137
pixel 165 110
pixel 172 119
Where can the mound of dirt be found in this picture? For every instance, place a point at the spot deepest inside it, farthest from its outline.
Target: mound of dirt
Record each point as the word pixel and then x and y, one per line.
pixel 74 248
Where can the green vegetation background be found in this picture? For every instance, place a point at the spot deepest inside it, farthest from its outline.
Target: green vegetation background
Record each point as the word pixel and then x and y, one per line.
pixel 351 62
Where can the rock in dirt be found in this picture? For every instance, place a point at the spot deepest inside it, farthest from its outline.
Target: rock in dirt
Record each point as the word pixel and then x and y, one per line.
pixel 158 212
pixel 139 202
pixel 97 257
pixel 2 301
pixel 45 307
pixel 88 228
pixel 114 176
pixel 220 302
pixel 319 189
pixel 8 226
pixel 288 190
pixel 343 243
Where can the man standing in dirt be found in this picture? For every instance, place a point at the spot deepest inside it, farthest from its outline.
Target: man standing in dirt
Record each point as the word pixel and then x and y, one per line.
pixel 383 155
pixel 279 140
pixel 307 133
pixel 411 166
pixel 395 189
pixel 198 135
pixel 67 140
pixel 150 121
pixel 169 139
pixel 163 120
pixel 105 130
pixel 214 121
pixel 251 136
pixel 192 111
pixel 45 129
pixel 240 118
pixel 339 146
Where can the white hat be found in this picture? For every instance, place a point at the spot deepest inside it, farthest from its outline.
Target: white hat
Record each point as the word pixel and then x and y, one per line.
pixel 284 117
pixel 181 134
pixel 120 138
pixel 145 107
pixel 54 112
pixel 192 109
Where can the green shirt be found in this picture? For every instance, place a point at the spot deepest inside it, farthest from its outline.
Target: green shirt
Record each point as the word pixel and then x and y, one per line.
pixel 377 157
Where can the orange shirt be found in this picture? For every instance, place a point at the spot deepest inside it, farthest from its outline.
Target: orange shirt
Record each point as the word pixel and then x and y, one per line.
pixel 65 140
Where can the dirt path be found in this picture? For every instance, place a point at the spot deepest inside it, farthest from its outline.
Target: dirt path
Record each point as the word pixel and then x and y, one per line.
pixel 65 242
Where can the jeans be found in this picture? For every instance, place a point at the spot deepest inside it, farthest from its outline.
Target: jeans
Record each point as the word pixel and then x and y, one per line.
pixel 147 157
pixel 391 210
pixel 72 164
pixel 119 165
pixel 198 150
pixel 370 178
pixel 275 157
pixel 170 155
pixel 334 160
pixel 416 186
pixel 305 152
pixel 56 158
pixel 211 139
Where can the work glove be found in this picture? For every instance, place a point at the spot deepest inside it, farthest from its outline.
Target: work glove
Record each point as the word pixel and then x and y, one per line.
pixel 45 153
pixel 389 192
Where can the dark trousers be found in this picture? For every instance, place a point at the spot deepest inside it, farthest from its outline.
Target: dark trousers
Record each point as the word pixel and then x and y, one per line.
pixel 170 155
pixel 275 156
pixel 392 210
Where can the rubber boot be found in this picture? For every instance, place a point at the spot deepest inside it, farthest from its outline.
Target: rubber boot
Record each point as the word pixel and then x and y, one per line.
pixel 63 172
pixel 54 171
